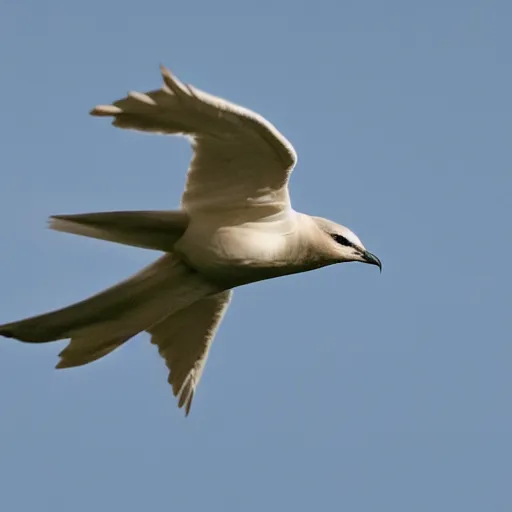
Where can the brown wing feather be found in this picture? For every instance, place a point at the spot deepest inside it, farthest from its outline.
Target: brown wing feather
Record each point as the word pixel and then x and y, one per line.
pixel 183 340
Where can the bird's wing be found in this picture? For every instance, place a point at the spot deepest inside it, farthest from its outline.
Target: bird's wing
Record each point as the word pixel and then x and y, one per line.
pixel 240 159
pixel 183 340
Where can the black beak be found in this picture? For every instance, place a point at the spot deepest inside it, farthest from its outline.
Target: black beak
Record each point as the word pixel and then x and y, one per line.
pixel 372 259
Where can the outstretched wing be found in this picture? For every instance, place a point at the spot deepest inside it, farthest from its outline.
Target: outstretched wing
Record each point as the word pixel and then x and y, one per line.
pixel 183 340
pixel 240 159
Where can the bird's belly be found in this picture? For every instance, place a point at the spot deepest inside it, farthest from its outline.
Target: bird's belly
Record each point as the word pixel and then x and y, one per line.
pixel 236 255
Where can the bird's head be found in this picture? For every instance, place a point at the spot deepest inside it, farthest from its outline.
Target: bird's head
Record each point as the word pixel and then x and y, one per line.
pixel 343 244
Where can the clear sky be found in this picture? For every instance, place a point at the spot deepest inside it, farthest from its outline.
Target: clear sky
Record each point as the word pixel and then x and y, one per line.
pixel 340 389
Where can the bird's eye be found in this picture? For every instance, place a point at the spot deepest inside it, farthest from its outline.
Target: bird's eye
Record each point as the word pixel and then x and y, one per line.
pixel 341 240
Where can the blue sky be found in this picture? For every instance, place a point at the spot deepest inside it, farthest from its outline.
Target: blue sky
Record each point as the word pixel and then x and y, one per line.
pixel 340 389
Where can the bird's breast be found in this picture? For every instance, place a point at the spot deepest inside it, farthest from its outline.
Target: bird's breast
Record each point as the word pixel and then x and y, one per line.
pixel 239 254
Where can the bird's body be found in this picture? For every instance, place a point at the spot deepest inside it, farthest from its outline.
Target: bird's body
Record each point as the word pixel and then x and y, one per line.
pixel 236 226
pixel 252 251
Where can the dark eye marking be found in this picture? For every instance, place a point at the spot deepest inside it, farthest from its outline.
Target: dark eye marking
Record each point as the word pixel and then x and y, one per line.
pixel 341 240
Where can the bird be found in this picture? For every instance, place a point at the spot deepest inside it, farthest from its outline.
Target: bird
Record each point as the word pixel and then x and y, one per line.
pixel 235 226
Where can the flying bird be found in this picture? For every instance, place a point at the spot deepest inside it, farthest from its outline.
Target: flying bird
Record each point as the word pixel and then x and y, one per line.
pixel 236 226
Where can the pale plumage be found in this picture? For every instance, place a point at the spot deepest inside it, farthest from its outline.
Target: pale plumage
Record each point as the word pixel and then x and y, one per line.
pixel 236 226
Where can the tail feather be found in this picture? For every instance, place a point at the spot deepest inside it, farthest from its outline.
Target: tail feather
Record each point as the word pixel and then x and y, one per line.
pixel 103 322
pixel 157 230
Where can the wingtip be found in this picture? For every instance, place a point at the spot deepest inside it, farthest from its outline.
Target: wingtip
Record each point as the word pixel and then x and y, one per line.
pixel 57 223
pixel 6 333
pixel 173 84
pixel 60 365
pixel 105 111
pixel 166 76
pixel 188 406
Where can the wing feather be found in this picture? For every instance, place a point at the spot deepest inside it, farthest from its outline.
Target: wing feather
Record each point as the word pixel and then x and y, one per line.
pixel 240 159
pixel 183 340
